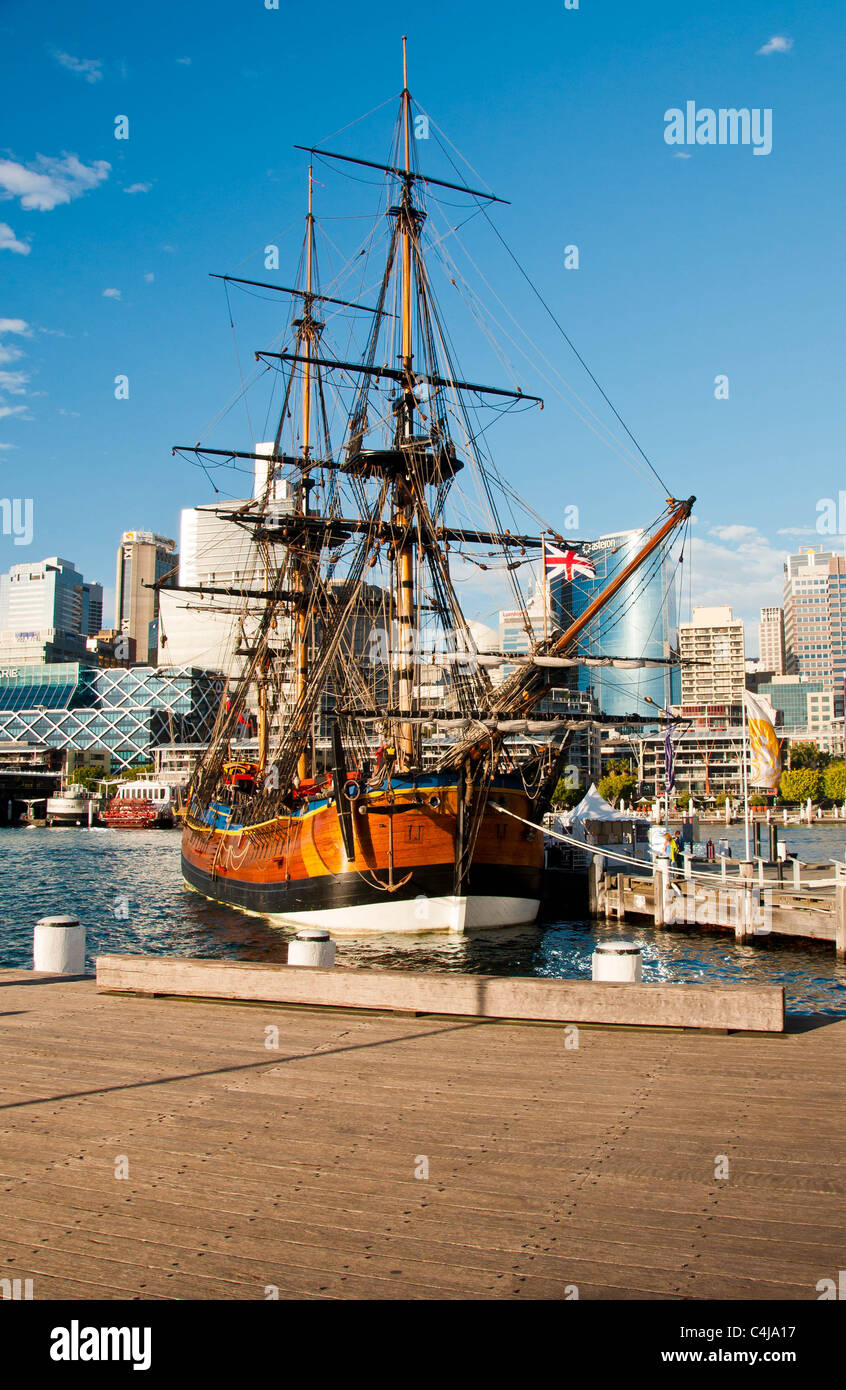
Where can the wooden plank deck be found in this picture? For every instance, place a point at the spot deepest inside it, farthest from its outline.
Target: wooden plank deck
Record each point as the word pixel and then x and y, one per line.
pixel 551 1168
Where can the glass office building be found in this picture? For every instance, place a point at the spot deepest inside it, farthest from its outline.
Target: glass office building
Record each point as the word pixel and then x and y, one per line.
pixel 640 621
pixel 125 712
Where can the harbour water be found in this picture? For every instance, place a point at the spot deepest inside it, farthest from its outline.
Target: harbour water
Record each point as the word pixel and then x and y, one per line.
pixel 127 888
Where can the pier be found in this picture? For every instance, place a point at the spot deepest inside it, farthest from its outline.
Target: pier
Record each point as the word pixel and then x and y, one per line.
pixel 752 899
pixel 167 1148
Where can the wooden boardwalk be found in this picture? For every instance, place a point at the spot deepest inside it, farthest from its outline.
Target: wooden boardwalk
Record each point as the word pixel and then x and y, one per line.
pixel 550 1167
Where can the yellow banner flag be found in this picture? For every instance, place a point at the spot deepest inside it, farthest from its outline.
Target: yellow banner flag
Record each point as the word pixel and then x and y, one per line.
pixel 765 763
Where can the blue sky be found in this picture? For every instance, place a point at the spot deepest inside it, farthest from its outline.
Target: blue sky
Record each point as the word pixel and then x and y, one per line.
pixel 719 263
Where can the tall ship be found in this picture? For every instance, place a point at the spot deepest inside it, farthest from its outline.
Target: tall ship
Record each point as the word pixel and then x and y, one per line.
pixel 393 785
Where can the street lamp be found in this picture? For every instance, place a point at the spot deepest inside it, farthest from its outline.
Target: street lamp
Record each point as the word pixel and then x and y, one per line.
pixel 668 763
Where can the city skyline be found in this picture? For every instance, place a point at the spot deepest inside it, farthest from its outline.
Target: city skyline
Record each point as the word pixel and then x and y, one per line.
pixel 108 245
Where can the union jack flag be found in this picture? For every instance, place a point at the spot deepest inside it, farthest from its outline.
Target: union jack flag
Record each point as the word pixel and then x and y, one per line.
pixel 570 561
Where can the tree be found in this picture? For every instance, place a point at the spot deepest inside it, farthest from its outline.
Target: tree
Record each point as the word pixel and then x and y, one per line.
pixel 806 755
pixel 834 782
pixel 624 766
pixel 566 795
pixel 758 800
pixel 86 777
pixel 683 798
pixel 801 783
pixel 617 786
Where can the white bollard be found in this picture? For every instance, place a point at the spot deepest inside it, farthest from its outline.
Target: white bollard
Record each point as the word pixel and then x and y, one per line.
pixel 58 946
pixel 312 946
pixel 619 960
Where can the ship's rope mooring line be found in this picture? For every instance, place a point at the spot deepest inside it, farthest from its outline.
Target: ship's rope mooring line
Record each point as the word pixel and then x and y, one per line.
pixel 611 853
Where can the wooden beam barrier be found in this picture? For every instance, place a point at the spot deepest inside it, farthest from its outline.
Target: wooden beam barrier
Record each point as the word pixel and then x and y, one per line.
pixel 748 1007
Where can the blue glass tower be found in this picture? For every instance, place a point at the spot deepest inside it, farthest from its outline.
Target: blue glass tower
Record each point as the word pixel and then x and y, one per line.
pixel 640 621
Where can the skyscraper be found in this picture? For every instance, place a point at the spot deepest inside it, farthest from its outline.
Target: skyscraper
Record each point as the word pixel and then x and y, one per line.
pixel 815 615
pixel 143 559
pixel 47 610
pixel 640 621
pixel 771 637
pixel 204 630
pixel 712 648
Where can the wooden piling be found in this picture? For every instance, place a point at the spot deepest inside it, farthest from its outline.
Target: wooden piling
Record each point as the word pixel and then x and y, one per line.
pixel 659 888
pixel 840 921
pixel 594 877
pixel 743 926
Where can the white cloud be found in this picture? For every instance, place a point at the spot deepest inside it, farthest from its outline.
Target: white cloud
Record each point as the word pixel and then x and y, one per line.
pixel 89 68
pixel 9 242
pixel 680 155
pixel 149 277
pixel 14 326
pixel 50 180
pixel 186 62
pixel 740 568
pixel 111 294
pixel 14 383
pixel 8 446
pixel 797 531
pixel 777 44
pixel 138 188
pixel 9 354
pixel 732 533
pixel 11 410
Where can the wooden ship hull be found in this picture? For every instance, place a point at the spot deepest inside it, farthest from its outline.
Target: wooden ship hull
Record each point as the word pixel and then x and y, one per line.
pixel 402 875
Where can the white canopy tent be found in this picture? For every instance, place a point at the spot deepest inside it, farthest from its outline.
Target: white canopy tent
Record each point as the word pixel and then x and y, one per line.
pixel 596 822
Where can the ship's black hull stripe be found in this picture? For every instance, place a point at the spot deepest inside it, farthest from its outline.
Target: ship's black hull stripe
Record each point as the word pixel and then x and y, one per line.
pixel 350 890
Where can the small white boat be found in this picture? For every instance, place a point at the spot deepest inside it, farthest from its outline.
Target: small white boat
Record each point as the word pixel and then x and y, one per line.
pixel 74 805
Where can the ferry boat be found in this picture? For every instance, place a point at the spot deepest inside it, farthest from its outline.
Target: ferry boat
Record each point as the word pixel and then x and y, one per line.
pixel 142 805
pixel 74 805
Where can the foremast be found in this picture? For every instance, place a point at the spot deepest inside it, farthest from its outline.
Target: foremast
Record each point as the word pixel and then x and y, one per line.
pixel 308 334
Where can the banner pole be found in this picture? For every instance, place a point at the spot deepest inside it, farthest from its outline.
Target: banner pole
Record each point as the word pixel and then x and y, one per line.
pixel 745 774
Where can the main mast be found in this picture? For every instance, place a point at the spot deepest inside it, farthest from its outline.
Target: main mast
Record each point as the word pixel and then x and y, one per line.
pixel 404 493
